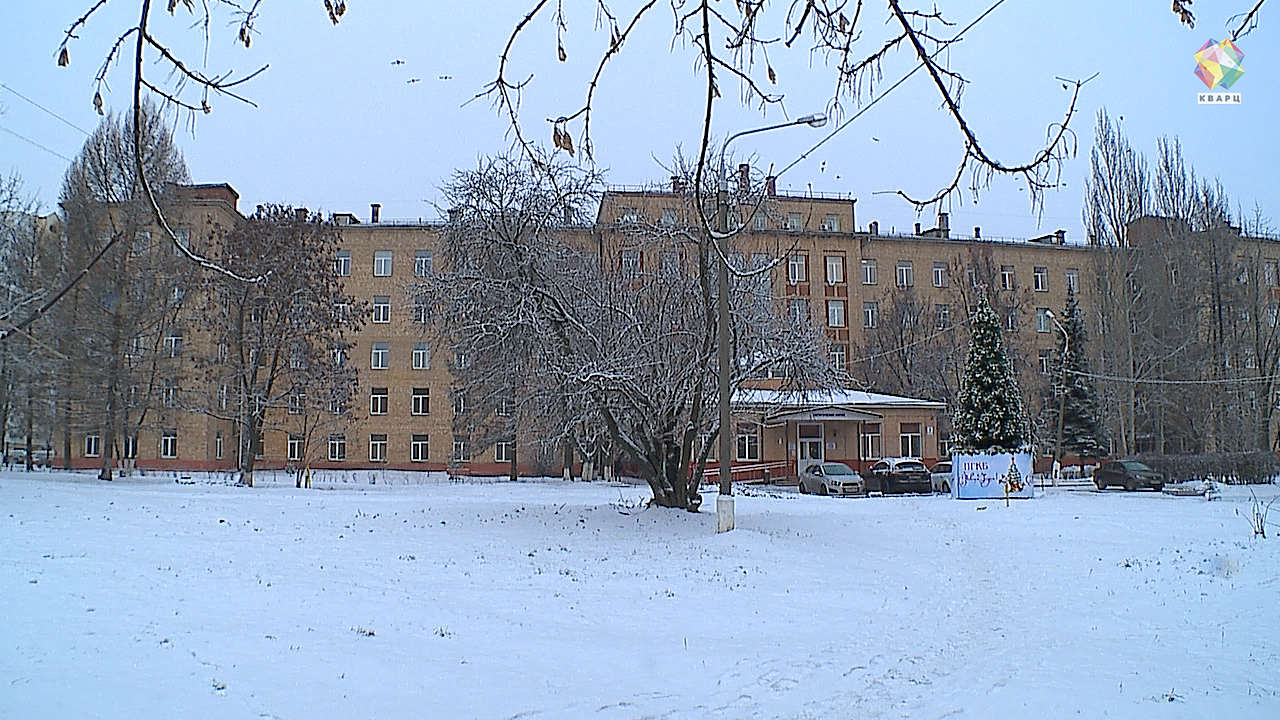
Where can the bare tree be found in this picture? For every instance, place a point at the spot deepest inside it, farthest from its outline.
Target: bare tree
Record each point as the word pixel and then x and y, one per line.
pixel 552 333
pixel 275 356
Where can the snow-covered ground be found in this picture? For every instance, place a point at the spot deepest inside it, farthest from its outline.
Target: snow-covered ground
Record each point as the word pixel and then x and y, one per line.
pixel 146 598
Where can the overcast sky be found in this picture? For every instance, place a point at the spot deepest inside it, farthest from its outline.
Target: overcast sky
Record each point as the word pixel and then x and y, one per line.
pixel 338 126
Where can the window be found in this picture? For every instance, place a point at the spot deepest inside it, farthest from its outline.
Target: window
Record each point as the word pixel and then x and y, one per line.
pixel 1273 314
pixel 295 448
pixel 1011 320
pixel 939 275
pixel 941 316
pixel 421 404
pixel 337 447
pixel 259 445
pixel 1006 277
pixel 502 451
pixel 1269 274
pixel 797 269
pixel 905 275
pixel 342 263
pixel 909 440
pixel 835 269
pixel 169 444
pixel 421 356
pixel 1041 277
pixel 504 408
pixel 377 447
pixel 222 396
pixel 871 441
pixel 339 356
pixel 831 223
pixel 798 309
pixel 839 356
pixel 459 404
pixel 835 313
pixel 92 446
pixel 341 311
pixel 177 295
pixel 748 441
pixel 382 263
pixel 461 449
pixel 460 358
pixel 419 448
pixel 760 221
pixel 630 215
pixel 217 446
pixel 381 309
pixel 422 263
pixel 420 311
pixel 972 275
pixel 1046 361
pixel 130 448
pixel 173 344
pixel 668 216
pixel 631 262
pixel 795 221
pixel 297 401
pixel 378 357
pixel 378 401
pixel 870 273
pixel 870 315
pixel 1073 280
pixel 1042 320
pixel 169 395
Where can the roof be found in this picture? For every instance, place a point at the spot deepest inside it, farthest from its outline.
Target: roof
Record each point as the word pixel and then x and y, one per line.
pixel 809 399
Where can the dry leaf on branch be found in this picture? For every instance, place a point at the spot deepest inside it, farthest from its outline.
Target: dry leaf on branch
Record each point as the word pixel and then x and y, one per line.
pixel 64 58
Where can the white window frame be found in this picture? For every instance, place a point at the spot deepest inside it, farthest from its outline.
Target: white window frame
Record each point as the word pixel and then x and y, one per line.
pixel 337 447
pixel 1007 277
pixel 1045 358
pixel 910 444
pixel 379 355
pixel 420 401
pixel 378 447
pixel 871 315
pixel 747 443
pixel 382 263
pixel 872 444
pixel 381 309
pixel 1072 276
pixel 422 263
pixel 461 449
pixel 419 447
pixel 502 451
pixel 870 272
pixel 1040 277
pixel 421 356
pixel 173 344
pixel 795 221
pixel 632 262
pixel 797 268
pixel 378 400
pixel 93 445
pixel 342 263
pixel 940 275
pixel 835 269
pixel 1043 325
pixel 941 316
pixel 839 356
pixel 836 314
pixel 293 452
pixel 169 444
pixel 905 274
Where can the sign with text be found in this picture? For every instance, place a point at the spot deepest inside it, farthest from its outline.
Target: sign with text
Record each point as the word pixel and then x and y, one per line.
pixel 991 477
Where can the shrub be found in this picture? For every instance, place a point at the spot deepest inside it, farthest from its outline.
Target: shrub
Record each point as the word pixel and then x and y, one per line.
pixel 1236 468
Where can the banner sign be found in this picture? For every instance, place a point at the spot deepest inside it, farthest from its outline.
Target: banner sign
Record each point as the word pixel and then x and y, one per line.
pixel 991 477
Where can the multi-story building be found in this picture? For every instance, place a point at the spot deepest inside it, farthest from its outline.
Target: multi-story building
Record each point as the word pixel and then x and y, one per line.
pixel 879 295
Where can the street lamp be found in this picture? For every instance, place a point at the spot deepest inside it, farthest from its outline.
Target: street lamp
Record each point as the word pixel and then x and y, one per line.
pixel 724 502
pixel 1062 399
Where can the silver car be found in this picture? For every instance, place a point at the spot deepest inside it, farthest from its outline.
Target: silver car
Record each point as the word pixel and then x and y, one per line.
pixel 831 478
pixel 941 477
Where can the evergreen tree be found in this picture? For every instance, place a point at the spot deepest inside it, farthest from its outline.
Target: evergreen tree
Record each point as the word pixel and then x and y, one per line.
pixel 989 415
pixel 1082 429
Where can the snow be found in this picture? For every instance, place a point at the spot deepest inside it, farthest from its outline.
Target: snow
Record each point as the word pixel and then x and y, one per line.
pixel 146 598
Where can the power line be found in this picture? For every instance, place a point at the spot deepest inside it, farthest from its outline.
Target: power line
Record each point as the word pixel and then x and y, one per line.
pixel 33 142
pixel 64 121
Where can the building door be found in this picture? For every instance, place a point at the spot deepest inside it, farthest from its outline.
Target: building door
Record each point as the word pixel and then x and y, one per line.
pixel 810 444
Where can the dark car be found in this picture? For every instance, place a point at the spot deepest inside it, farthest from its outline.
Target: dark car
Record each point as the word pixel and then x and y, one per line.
pixel 900 475
pixel 1129 474
pixel 831 478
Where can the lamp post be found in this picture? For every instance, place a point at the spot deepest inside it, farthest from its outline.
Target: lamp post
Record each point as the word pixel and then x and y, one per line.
pixel 1062 399
pixel 724 502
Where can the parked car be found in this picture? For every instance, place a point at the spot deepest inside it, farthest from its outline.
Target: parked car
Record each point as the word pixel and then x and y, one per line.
pixel 940 476
pixel 900 475
pixel 831 478
pixel 1129 474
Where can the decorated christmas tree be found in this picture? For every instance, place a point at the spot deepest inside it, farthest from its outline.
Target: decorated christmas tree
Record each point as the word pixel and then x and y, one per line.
pixel 989 416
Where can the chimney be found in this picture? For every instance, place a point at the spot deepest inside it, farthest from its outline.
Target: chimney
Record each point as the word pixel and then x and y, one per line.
pixel 944 225
pixel 301 214
pixel 917 229
pixel 1060 237
pixel 375 212
pixel 771 186
pixel 677 186
pixel 744 178
pixel 873 228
